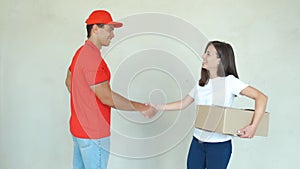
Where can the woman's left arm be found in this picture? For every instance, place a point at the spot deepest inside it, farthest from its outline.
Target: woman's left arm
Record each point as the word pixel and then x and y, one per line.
pixel 260 108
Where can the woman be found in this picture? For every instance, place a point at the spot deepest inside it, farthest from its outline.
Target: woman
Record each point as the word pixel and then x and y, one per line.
pixel 218 85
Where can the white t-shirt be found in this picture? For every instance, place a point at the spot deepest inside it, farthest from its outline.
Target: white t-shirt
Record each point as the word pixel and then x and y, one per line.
pixel 219 91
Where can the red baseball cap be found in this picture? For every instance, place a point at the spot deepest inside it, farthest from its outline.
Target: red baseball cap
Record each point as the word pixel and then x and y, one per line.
pixel 102 16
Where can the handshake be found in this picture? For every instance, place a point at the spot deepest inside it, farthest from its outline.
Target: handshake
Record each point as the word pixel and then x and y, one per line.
pixel 149 110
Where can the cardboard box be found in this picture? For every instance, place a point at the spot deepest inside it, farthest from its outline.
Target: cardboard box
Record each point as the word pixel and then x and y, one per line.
pixel 228 120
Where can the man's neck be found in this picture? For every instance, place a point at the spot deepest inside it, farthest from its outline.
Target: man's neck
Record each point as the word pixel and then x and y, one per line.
pixel 95 42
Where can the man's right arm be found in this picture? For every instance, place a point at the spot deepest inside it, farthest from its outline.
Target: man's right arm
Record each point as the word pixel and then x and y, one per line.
pixel 68 80
pixel 108 97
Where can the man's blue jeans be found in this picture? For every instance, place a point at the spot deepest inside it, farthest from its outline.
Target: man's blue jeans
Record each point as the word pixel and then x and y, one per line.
pixel 209 155
pixel 91 153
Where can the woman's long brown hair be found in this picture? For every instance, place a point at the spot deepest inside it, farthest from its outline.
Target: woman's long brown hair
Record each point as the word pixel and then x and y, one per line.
pixel 227 66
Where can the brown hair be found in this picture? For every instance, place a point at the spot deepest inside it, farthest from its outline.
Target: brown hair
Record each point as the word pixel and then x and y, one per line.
pixel 227 66
pixel 90 26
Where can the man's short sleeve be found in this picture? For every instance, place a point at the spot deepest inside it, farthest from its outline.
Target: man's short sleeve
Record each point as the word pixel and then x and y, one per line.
pixel 101 74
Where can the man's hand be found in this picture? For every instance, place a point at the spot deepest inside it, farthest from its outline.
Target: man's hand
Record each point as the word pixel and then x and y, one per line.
pixel 149 111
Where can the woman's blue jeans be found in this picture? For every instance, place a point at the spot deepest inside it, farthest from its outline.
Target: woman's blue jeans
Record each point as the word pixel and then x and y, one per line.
pixel 209 155
pixel 91 153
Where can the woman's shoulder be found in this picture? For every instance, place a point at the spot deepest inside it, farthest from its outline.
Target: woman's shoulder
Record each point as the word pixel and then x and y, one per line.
pixel 232 78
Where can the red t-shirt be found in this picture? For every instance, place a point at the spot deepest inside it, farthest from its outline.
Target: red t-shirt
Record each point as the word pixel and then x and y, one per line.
pixel 90 118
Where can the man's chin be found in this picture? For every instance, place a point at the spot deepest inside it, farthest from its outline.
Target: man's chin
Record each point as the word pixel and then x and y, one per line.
pixel 106 44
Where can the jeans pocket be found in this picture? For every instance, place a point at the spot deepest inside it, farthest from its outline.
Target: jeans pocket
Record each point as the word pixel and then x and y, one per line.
pixel 84 143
